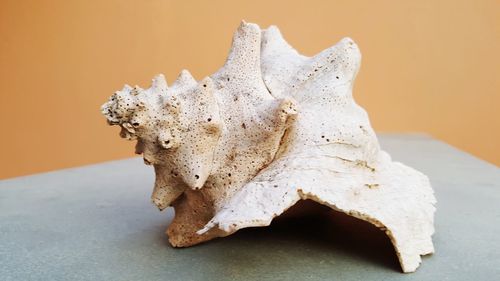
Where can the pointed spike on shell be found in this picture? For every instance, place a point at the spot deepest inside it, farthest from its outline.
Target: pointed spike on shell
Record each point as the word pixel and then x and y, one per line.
pixel 127 88
pixel 273 41
pixel 246 34
pixel 273 30
pixel 184 79
pixel 248 26
pixel 159 83
pixel 245 50
pixel 242 25
pixel 348 57
pixel 352 48
pixel 350 45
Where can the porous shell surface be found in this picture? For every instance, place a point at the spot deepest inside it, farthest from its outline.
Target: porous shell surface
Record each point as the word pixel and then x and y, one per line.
pixel 268 129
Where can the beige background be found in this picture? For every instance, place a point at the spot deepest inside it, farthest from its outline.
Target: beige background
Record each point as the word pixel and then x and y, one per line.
pixel 428 66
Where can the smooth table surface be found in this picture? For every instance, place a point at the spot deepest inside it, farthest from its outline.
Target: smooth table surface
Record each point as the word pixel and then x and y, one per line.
pixel 97 223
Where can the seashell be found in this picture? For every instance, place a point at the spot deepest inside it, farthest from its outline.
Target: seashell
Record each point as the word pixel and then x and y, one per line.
pixel 268 129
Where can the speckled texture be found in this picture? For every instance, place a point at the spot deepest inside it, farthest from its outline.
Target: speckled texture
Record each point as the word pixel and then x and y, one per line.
pixel 270 128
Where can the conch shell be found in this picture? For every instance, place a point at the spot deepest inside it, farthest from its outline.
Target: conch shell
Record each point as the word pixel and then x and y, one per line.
pixel 268 129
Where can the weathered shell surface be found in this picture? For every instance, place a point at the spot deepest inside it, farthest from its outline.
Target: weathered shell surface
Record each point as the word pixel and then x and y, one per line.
pixel 270 128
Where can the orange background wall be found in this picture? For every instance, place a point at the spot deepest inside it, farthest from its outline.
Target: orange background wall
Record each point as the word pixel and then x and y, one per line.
pixel 428 66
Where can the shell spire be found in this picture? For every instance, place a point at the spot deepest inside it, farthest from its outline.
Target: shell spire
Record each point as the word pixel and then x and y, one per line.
pixel 184 81
pixel 244 56
pixel 159 84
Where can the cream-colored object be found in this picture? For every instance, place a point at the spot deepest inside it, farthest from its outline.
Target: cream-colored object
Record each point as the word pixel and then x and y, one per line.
pixel 268 129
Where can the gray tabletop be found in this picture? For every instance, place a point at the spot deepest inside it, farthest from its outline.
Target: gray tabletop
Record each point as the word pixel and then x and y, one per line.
pixel 96 223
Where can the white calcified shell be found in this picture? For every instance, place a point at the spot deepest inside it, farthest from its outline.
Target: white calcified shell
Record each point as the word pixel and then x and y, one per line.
pixel 268 129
